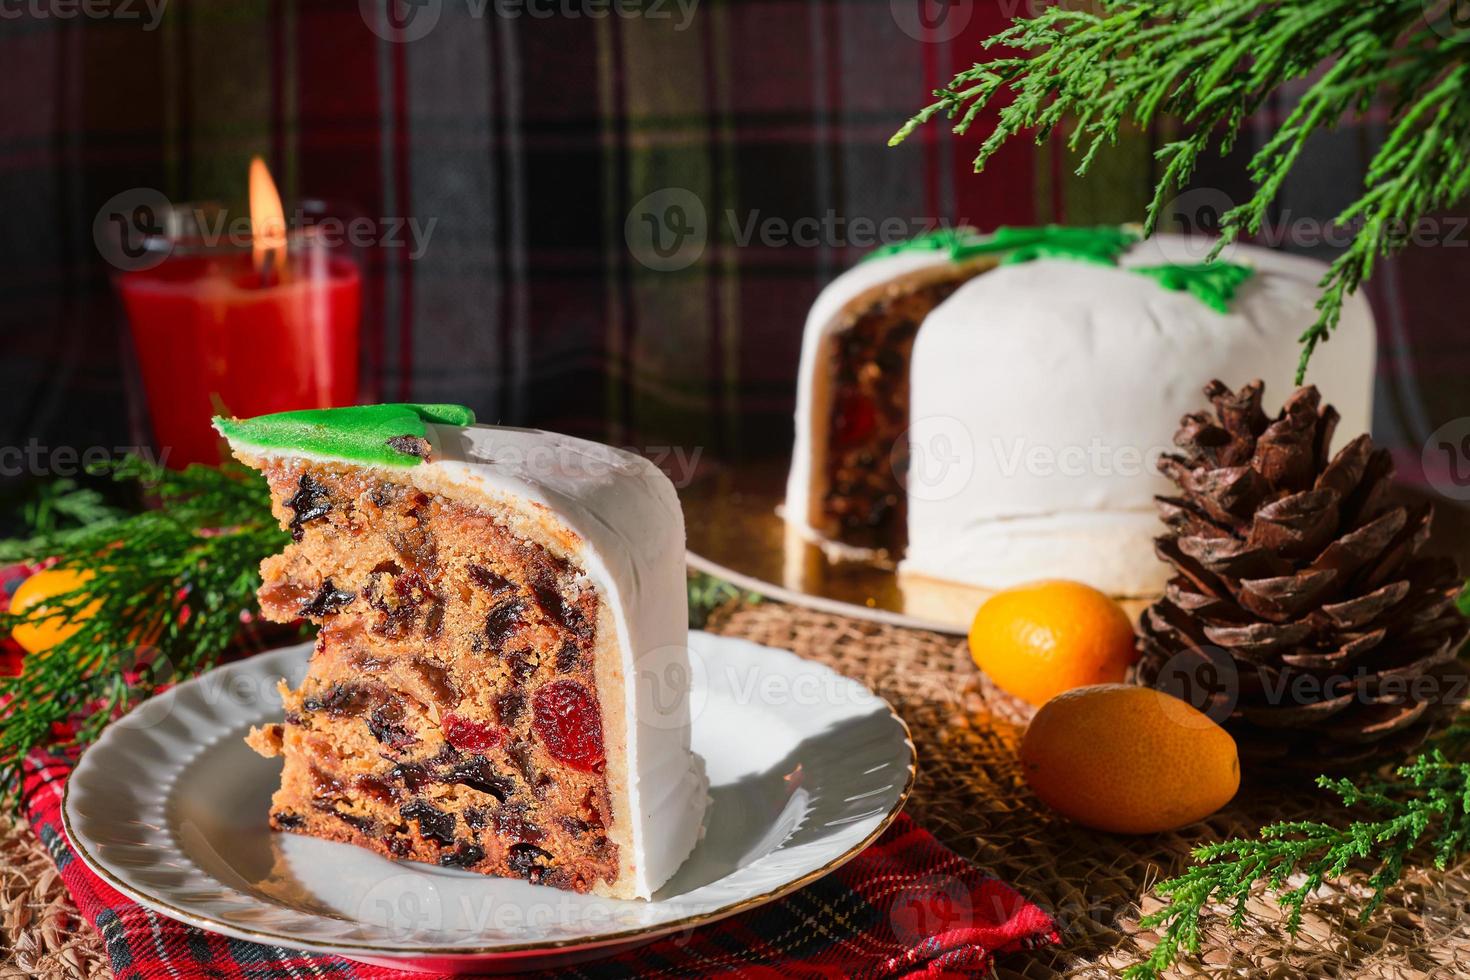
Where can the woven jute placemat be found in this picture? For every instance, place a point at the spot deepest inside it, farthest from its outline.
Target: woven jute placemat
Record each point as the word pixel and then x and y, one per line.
pixel 970 794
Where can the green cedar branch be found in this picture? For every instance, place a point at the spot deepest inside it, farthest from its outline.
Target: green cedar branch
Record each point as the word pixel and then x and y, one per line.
pixel 1211 66
pixel 168 590
pixel 1427 806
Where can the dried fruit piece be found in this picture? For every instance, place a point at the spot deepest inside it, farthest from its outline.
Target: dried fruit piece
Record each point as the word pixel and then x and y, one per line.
pixel 471 736
pixel 340 700
pixel 310 502
pixel 386 724
pixel 379 789
pixel 520 753
pixel 385 494
pixel 329 599
pixel 412 775
pixel 512 823
pixel 463 856
pixel 438 680
pixel 503 622
pixel 522 665
pixel 434 824
pixel 854 419
pixel 555 607
pixel 326 789
pixel 477 773
pixel 415 544
pixel 528 861
pixel 568 658
pixel 410 446
pixel 434 618
pixel 363 825
pixel 569 724
pixel 489 580
pixel 509 706
pixel 399 603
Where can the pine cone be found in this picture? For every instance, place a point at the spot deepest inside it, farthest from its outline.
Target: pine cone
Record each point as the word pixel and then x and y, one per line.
pixel 1301 616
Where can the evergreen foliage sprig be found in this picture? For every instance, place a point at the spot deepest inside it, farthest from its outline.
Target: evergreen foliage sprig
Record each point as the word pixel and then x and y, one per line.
pixel 1211 66
pixel 1426 807
pixel 707 593
pixel 167 592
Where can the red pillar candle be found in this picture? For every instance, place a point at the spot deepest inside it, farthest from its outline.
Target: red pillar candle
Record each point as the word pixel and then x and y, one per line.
pixel 213 338
pixel 243 327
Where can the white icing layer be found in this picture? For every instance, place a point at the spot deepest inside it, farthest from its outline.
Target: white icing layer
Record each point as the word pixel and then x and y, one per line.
pixel 1042 393
pixel 629 541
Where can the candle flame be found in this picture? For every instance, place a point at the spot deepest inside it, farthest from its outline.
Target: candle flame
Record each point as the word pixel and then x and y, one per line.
pixel 267 222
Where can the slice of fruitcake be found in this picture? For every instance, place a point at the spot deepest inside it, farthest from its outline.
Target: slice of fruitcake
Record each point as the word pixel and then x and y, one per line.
pixel 500 680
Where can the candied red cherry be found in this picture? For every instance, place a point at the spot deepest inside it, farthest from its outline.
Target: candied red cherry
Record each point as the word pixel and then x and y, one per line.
pixel 569 724
pixel 471 736
pixel 856 419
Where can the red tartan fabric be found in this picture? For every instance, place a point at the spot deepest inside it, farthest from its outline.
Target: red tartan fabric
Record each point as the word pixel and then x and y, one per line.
pixel 537 147
pixel 906 907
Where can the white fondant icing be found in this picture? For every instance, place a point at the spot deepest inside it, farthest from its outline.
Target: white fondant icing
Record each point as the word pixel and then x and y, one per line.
pixel 1042 392
pixel 630 527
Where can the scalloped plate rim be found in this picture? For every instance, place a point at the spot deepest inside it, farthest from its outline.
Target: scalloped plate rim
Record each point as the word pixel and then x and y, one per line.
pixel 397 953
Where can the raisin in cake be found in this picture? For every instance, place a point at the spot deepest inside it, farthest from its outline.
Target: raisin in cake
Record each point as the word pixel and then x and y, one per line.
pixel 989 408
pixel 503 630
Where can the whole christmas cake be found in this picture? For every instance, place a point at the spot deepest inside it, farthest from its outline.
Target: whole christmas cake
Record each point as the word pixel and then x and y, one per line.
pixel 991 408
pixel 499 611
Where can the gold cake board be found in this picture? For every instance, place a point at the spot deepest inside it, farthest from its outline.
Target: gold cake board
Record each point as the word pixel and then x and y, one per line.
pixel 736 533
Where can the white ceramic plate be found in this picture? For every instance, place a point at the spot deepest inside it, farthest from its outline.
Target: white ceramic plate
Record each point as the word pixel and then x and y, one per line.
pixel 806 769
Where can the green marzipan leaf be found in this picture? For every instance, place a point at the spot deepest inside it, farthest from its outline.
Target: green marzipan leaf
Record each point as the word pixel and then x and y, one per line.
pixel 360 433
pixel 1212 283
pixel 1102 244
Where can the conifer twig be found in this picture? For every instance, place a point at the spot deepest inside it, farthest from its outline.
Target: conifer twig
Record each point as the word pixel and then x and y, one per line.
pixel 166 592
pixel 1211 66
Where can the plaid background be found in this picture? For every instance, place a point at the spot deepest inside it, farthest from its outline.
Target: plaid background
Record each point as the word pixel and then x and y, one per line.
pixel 533 134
